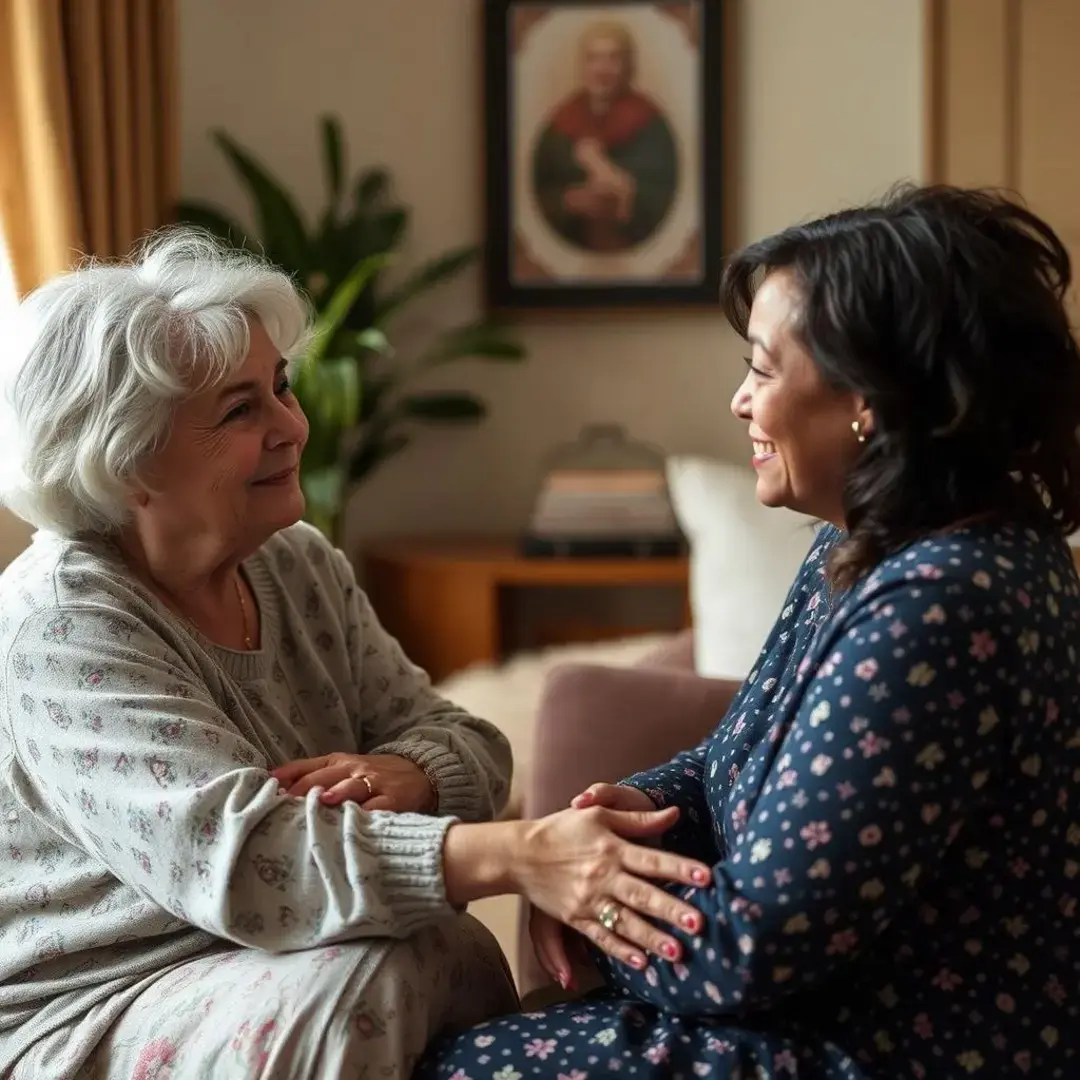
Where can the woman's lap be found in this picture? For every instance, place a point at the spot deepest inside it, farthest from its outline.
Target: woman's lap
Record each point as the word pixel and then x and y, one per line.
pixel 351 1010
pixel 607 1036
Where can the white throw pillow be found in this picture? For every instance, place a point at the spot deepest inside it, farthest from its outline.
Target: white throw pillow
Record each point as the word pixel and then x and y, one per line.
pixel 744 557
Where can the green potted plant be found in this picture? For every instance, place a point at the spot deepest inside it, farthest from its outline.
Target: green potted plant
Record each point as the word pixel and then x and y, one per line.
pixel 353 386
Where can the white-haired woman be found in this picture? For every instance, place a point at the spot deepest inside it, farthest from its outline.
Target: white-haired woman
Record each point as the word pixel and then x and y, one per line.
pixel 227 795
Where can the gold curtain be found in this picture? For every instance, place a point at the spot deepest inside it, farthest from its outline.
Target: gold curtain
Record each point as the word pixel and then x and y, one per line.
pixel 88 131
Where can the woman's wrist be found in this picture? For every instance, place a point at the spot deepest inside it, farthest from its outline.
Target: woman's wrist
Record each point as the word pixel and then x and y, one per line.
pixel 479 859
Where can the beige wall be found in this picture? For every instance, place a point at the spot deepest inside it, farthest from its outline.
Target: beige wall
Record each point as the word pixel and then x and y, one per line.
pixel 14 536
pixel 829 112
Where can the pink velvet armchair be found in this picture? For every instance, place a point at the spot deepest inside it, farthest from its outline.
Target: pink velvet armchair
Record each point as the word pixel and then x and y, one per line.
pixel 601 724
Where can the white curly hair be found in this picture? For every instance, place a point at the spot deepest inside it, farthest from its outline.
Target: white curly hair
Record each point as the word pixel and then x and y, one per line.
pixel 99 357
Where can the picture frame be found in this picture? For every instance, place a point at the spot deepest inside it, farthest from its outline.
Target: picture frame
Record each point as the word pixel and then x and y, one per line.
pixel 603 153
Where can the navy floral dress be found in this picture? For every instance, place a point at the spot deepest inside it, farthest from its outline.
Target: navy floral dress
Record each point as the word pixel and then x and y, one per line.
pixel 890 808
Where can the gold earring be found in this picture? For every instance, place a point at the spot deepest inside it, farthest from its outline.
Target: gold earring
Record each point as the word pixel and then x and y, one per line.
pixel 857 428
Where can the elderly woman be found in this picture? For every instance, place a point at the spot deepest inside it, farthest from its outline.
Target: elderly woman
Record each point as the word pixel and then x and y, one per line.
pixel 889 806
pixel 194 693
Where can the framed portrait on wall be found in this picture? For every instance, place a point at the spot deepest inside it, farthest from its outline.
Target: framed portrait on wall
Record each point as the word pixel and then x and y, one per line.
pixel 603 153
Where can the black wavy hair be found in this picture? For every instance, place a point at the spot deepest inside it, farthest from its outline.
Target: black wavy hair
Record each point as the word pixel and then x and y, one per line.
pixel 944 308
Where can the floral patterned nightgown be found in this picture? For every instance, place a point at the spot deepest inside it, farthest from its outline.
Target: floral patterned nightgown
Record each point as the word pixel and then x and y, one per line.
pixel 890 810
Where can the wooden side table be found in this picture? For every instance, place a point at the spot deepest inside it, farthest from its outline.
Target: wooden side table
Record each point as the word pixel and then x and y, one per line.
pixel 446 599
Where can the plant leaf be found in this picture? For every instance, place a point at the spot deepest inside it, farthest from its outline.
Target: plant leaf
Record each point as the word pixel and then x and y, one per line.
pixel 372 452
pixel 337 306
pixel 373 340
pixel 371 185
pixel 281 228
pixel 324 492
pixel 340 383
pixel 444 408
pixel 329 393
pixel 484 340
pixel 206 216
pixel 332 159
pixel 426 277
pixel 324 486
pixel 385 231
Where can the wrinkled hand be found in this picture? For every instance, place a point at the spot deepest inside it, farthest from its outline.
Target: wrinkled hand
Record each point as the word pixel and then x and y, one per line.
pixel 392 782
pixel 573 864
pixel 558 948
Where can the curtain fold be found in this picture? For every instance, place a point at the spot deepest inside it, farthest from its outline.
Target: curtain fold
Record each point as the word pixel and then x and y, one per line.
pixel 88 161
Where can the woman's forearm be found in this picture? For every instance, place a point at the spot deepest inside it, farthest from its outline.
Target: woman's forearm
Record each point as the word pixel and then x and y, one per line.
pixel 478 860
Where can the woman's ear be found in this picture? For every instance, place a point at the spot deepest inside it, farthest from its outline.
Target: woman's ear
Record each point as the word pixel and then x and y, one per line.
pixel 865 417
pixel 138 493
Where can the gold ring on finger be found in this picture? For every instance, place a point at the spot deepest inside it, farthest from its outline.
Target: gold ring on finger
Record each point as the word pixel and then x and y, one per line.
pixel 608 916
pixel 367 783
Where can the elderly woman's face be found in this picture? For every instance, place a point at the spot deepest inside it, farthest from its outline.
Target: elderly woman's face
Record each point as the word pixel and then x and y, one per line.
pixel 229 469
pixel 604 66
pixel 800 428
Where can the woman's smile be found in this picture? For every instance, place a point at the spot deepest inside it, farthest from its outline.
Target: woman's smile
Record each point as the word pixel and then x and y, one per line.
pixel 763 451
pixel 278 479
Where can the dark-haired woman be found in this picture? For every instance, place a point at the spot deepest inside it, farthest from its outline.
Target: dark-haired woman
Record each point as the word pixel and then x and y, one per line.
pixel 890 805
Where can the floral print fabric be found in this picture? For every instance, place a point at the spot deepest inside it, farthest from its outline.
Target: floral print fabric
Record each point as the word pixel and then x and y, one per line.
pixel 338 1011
pixel 141 827
pixel 889 807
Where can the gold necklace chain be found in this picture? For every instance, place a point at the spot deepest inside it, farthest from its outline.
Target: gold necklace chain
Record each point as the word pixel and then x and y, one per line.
pixel 248 643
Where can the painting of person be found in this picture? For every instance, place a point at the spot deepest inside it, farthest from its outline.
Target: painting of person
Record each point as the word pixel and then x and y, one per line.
pixel 605 169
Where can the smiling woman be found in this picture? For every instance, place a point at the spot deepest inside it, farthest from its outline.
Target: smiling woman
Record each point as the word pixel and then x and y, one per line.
pixel 887 805
pixel 173 636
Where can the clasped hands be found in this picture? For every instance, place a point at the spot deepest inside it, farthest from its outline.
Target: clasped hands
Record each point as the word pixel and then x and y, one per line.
pixel 584 868
pixel 618 911
pixel 374 781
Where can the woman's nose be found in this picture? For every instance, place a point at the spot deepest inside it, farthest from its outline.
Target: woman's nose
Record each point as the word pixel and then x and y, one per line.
pixel 740 403
pixel 290 426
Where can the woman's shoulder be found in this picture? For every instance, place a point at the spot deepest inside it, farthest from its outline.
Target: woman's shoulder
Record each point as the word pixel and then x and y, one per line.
pixel 59 572
pixel 60 584
pixel 982 563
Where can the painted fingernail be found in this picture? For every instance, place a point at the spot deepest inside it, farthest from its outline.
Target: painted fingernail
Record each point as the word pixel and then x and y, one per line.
pixel 700 877
pixel 637 962
pixel 690 922
pixel 669 950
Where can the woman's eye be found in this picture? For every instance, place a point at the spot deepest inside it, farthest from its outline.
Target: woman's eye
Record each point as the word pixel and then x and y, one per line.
pixel 242 409
pixel 756 370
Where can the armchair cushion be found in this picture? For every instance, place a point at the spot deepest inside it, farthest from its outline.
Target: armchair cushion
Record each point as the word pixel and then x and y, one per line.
pixel 601 724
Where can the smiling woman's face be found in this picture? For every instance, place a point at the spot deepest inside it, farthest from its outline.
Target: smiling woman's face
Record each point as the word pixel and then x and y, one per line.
pixel 229 469
pixel 800 428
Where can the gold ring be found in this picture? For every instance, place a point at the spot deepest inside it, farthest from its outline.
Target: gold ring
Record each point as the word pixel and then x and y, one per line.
pixel 609 915
pixel 367 783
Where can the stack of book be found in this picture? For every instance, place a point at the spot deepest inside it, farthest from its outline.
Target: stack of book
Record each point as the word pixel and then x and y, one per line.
pixel 604 512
